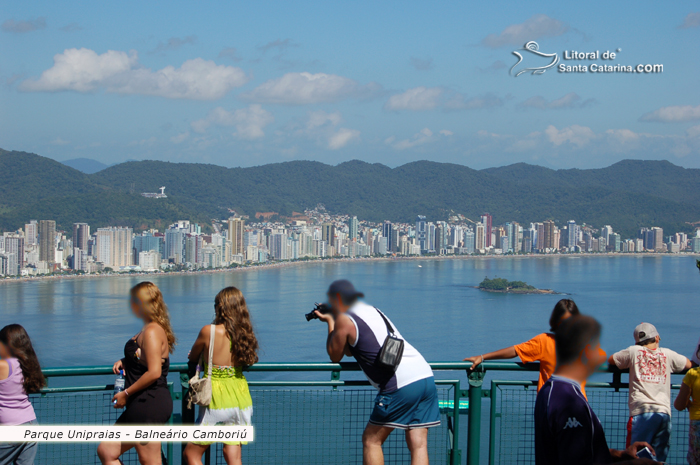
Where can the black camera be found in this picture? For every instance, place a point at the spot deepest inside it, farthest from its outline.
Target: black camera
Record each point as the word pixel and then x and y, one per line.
pixel 321 308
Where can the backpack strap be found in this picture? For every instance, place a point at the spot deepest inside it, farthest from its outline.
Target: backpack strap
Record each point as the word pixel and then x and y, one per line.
pixel 389 328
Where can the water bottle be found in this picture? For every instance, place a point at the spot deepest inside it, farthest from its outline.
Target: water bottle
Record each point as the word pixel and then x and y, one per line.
pixel 119 384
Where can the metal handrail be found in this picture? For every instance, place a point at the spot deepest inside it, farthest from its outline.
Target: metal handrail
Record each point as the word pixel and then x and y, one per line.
pixel 475 391
pixel 489 365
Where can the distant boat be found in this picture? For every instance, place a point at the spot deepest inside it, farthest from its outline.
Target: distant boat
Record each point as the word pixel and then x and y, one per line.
pixel 420 266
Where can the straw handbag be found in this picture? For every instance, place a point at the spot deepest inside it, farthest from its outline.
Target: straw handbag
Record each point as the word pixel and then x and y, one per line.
pixel 200 388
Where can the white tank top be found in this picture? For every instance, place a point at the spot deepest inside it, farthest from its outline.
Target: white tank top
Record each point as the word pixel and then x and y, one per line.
pixel 371 332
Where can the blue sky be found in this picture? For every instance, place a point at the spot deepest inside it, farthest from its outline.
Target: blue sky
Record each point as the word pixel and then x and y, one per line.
pixel 249 83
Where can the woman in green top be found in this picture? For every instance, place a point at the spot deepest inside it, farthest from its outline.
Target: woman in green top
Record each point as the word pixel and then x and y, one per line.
pixel 235 346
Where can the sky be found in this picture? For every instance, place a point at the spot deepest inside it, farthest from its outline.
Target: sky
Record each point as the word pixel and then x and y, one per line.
pixel 251 83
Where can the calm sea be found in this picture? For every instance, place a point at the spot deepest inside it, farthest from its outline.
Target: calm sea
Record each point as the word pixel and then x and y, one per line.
pixel 87 321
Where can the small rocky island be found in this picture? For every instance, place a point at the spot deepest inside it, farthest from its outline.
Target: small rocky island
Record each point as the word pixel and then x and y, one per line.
pixel 510 287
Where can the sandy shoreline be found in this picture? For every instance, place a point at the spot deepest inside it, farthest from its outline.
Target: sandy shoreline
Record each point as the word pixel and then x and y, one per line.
pixel 341 260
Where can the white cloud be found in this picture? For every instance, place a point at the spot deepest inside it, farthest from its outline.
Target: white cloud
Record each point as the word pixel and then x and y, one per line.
pixel 422 137
pixel 692 20
pixel 59 141
pixel 20 27
pixel 460 102
pixel 574 134
pixel 320 118
pixel 248 122
pixel 518 34
pixel 307 88
pixel 570 100
pixel 428 98
pixel 416 99
pixel 83 70
pixel 180 138
pixel 322 127
pixel 342 137
pixel 673 114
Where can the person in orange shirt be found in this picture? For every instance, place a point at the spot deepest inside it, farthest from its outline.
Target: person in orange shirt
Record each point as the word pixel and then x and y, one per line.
pixel 540 348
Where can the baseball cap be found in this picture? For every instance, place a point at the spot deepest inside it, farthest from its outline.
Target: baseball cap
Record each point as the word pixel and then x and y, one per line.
pixel 644 331
pixel 345 289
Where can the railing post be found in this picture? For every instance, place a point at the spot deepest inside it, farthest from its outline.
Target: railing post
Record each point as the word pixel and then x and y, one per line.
pixel 187 414
pixel 492 424
pixel 476 380
pixel 456 453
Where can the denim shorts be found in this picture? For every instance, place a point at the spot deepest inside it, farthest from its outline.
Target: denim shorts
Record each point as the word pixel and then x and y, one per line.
pixel 18 453
pixel 654 428
pixel 411 407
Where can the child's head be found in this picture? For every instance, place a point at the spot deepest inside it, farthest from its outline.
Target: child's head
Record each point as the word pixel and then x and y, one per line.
pixel 564 309
pixel 231 311
pixel 578 342
pixel 15 343
pixel 646 334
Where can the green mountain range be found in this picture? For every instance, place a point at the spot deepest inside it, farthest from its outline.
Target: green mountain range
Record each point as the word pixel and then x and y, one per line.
pixel 627 195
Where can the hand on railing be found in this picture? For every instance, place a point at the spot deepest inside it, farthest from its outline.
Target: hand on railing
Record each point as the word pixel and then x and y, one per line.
pixel 476 361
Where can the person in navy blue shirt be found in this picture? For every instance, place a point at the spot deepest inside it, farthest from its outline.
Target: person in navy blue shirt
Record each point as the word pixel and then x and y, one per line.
pixel 567 431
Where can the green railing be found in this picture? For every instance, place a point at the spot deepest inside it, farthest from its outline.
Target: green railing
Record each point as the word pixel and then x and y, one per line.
pixel 300 417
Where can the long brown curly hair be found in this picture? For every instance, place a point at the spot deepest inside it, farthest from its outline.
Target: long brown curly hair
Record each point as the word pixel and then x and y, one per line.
pixel 232 312
pixel 153 306
pixel 17 341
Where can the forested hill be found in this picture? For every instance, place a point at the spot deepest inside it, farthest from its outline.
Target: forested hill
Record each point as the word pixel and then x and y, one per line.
pixel 626 195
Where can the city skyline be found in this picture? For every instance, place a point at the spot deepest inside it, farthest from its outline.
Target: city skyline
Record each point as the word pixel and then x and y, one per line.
pixel 247 85
pixel 315 234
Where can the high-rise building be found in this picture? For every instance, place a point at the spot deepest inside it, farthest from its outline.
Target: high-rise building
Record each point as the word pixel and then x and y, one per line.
pixel 235 235
pixel 328 234
pixel 658 239
pixel 175 244
pixel 354 224
pixel 615 243
pixel 549 236
pixel 81 236
pixel 572 234
pixel 480 236
pixel 193 249
pixel 14 249
pixel 47 241
pixel 278 246
pixel 149 260
pixel 387 230
pixel 114 247
pixel 469 240
pixel 31 233
pixel 148 242
pixel 422 233
pixel 487 221
pixel 605 232
pixel 430 236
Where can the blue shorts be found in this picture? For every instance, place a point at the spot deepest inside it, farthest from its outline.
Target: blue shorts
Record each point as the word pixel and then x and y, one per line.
pixel 651 427
pixel 411 407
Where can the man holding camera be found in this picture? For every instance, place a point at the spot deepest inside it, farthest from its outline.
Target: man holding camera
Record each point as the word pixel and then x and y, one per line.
pixel 407 396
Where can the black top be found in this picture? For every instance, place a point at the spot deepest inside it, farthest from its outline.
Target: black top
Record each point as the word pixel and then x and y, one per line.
pixel 567 431
pixel 152 405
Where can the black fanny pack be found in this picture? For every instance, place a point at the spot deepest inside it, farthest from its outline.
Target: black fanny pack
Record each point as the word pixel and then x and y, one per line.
pixel 391 352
